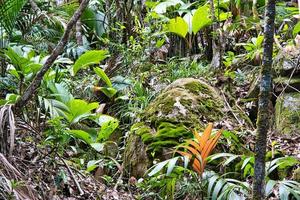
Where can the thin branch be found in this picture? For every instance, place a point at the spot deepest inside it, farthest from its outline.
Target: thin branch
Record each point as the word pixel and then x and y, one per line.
pixel 32 88
pixel 72 175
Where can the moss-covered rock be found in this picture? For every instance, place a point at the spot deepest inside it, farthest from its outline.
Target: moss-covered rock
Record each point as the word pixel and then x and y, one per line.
pixel 189 101
pixel 287 116
pixel 136 160
pixel 166 122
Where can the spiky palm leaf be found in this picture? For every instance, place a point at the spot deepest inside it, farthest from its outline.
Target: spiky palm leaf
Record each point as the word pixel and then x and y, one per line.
pixel 9 11
pixel 200 148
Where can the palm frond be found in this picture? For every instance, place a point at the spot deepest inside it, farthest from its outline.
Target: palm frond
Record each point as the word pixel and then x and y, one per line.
pixel 9 11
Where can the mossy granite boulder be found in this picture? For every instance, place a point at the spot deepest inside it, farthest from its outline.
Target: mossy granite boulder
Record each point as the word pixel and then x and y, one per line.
pixel 184 104
pixel 287 116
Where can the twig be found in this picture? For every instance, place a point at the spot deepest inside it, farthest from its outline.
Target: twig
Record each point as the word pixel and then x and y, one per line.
pixel 31 90
pixel 72 175
pixel 292 74
pixel 231 110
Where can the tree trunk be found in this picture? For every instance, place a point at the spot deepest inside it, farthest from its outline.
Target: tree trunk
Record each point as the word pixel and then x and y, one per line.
pixel 32 88
pixel 264 103
pixel 216 61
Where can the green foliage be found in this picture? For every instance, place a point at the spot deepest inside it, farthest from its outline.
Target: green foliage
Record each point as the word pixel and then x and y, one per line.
pixel 89 58
pixel 296 29
pixel 79 110
pixel 9 11
pixel 201 18
pixel 178 26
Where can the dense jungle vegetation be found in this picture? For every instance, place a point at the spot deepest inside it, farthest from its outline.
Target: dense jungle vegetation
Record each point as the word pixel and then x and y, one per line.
pixel 142 99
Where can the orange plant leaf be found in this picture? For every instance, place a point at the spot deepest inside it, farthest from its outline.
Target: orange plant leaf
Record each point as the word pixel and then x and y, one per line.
pixel 200 149
pixel 197 136
pixel 194 144
pixel 196 164
pixel 205 136
pixel 210 146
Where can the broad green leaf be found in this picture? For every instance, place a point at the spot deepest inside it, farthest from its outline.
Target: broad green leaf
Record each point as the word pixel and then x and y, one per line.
pixel 107 128
pixel 89 58
pixel 211 183
pixel 103 76
pixel 220 155
pixel 178 26
pixel 79 109
pixel 296 29
pixel 108 91
pixel 188 17
pixel 80 134
pixel 246 161
pixel 259 41
pixel 92 164
pixel 230 159
pixel 217 189
pixel 269 187
pixel 224 16
pixel 12 98
pixel 283 192
pixel 201 18
pixel 102 119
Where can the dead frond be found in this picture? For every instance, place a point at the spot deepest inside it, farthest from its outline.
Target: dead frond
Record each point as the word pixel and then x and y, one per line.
pixel 12 183
pixel 7 130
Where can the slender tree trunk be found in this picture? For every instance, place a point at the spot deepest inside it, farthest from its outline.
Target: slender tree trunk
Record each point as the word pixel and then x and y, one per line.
pixel 78 28
pixel 216 44
pixel 32 88
pixel 263 116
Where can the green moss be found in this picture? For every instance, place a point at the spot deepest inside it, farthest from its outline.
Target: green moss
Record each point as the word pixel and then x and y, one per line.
pixel 188 101
pixel 136 160
pixel 166 122
pixel 159 145
pixel 287 115
pixel 197 87
pixel 296 174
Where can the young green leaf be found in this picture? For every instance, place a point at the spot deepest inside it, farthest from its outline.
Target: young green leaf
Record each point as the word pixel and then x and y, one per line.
pixel 103 76
pixel 89 58
pixel 178 26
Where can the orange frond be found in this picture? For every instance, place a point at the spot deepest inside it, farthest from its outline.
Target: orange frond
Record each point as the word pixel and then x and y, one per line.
pixel 209 147
pixel 196 164
pixel 200 149
pixel 205 136
pixel 185 154
pixel 194 144
pixel 197 136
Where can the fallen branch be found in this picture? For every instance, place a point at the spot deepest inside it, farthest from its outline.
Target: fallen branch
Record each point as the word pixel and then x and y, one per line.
pixel 31 90
pixel 72 176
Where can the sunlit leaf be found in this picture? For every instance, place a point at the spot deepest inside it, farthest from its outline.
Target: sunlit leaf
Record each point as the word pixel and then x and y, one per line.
pixel 178 26
pixel 89 58
pixel 201 18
